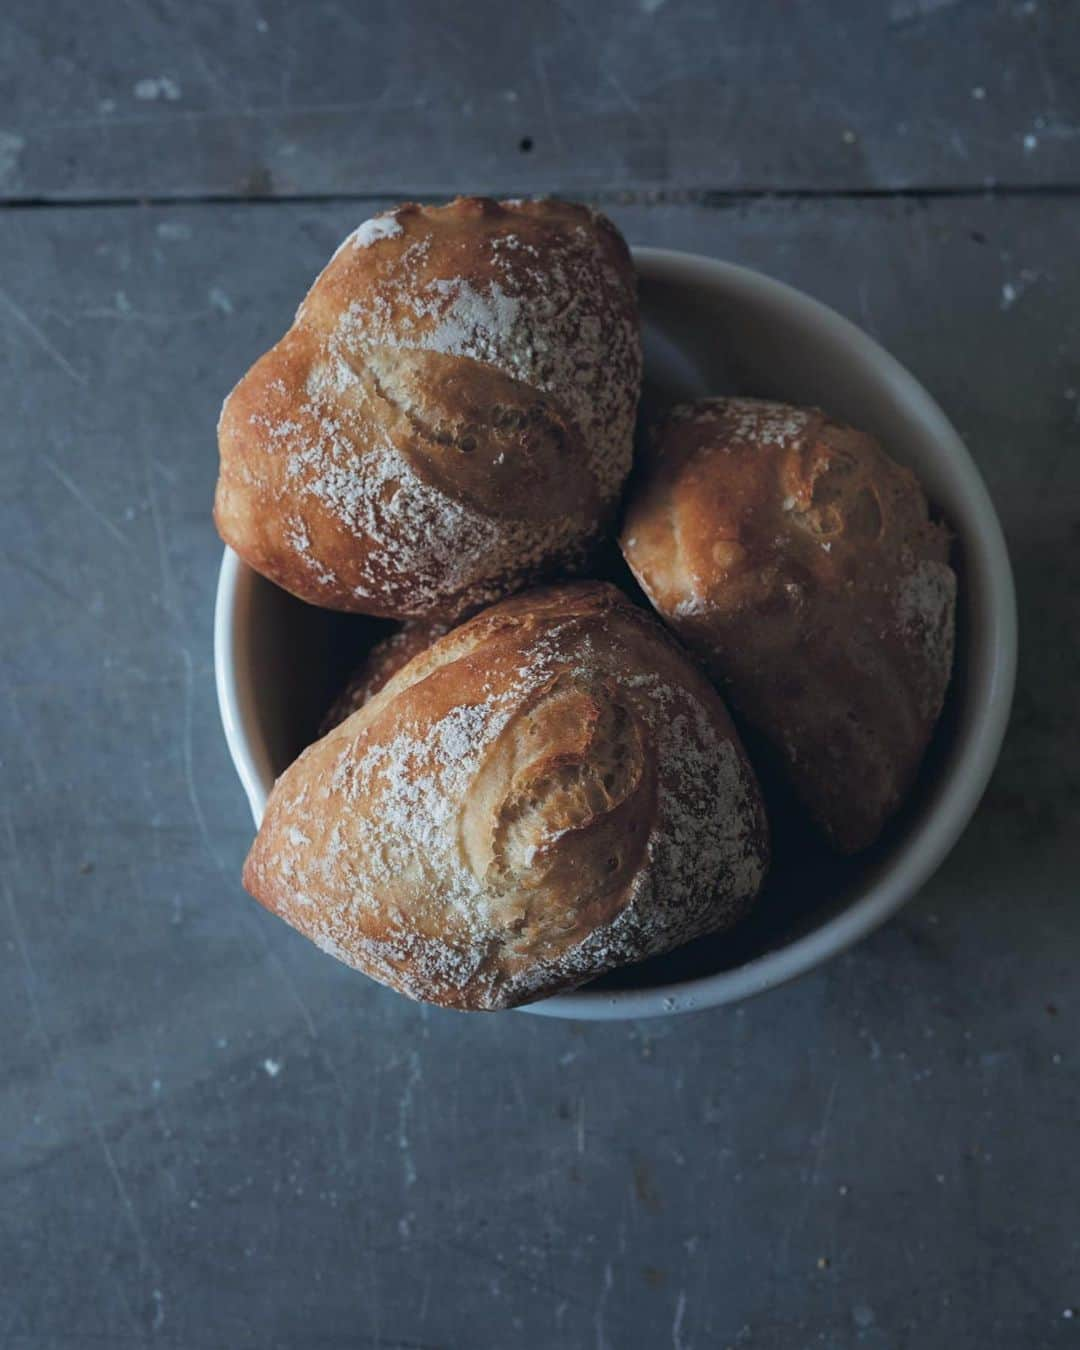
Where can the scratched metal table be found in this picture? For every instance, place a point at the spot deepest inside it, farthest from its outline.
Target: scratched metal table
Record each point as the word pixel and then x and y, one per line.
pixel 211 1135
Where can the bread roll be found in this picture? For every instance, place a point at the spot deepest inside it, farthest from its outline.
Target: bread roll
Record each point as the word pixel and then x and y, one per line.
pixel 551 790
pixel 383 660
pixel 448 419
pixel 799 562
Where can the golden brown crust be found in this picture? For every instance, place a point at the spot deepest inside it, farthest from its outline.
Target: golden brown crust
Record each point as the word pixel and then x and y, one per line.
pixel 449 417
pixel 799 562
pixel 551 790
pixel 379 665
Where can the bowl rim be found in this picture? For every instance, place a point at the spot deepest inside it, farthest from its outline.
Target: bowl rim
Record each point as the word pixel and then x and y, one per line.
pixel 991 682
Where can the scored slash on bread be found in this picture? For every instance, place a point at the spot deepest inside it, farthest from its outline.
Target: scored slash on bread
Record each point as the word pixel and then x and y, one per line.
pixel 799 562
pixel 449 418
pixel 549 791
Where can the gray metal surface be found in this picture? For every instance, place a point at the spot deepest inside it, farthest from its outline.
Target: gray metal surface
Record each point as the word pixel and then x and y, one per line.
pixel 274 98
pixel 213 1136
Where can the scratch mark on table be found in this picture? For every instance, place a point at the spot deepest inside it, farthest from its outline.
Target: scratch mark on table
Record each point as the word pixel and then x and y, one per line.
pixel 175 17
pixel 1059 131
pixel 677 1342
pixel 515 1273
pixel 602 1342
pixel 133 1219
pixel 823 1133
pixel 141 1249
pixel 30 982
pixel 119 315
pixel 1047 80
pixel 864 305
pixel 29 974
pixel 910 11
pixel 632 105
pixel 814 1179
pixel 39 574
pixel 545 98
pixel 29 740
pixel 404 1110
pixel 84 501
pixel 164 565
pixel 43 342
pixel 15 1312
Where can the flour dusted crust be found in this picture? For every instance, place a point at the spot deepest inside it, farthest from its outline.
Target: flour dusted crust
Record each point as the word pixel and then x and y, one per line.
pixel 799 562
pixel 448 419
pixel 551 790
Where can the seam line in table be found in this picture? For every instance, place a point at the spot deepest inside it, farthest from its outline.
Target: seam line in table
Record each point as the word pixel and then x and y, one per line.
pixel 718 198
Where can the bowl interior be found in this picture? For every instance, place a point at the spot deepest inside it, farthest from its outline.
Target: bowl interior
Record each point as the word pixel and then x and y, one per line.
pixel 713 328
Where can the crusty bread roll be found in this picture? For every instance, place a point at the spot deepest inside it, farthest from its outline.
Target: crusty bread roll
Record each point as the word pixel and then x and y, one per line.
pixel 799 562
pixel 450 416
pixel 551 790
pixel 382 661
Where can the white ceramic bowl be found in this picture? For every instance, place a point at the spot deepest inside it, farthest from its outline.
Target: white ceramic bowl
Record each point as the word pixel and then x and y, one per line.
pixel 712 327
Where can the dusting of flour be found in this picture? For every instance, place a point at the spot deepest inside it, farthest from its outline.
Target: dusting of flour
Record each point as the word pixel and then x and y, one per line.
pixel 398 804
pixel 556 321
pixel 925 613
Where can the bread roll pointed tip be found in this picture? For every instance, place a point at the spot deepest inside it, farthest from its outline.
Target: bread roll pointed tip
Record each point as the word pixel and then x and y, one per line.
pixel 449 418
pixel 547 792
